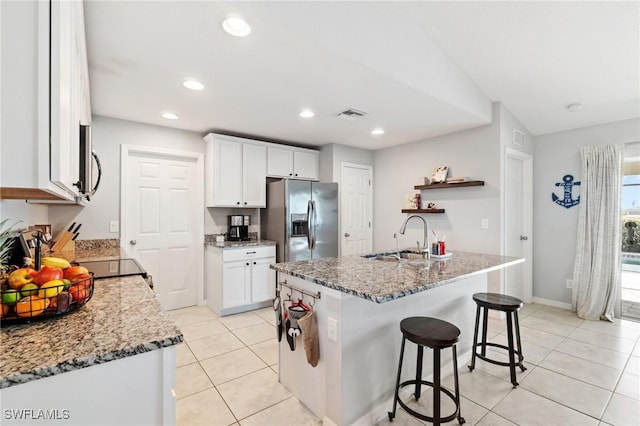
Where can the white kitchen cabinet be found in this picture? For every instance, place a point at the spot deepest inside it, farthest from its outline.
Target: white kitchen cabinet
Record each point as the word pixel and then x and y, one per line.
pixel 235 173
pixel 288 162
pixel 239 279
pixel 45 97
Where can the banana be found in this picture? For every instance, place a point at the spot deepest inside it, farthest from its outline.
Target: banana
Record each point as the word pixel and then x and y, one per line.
pixel 55 262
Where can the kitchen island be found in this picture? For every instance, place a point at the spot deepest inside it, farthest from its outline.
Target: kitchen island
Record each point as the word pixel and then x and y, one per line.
pixel 359 303
pixel 112 361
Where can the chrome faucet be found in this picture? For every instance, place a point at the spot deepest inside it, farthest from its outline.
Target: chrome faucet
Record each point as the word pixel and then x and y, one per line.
pixel 403 228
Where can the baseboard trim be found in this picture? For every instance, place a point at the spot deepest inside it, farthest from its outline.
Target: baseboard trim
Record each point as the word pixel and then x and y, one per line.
pixel 552 303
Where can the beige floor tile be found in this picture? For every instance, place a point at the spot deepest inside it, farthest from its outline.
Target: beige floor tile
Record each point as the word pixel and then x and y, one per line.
pixel 552 326
pixel 256 333
pixel 480 387
pixel 215 345
pixel 184 355
pixel 253 392
pixel 267 351
pixel 633 365
pixel 231 365
pixel 636 349
pixel 593 353
pixel 526 408
pixel 275 368
pixel 495 326
pixel 198 330
pixel 244 319
pixel 532 353
pixel 560 315
pixel 267 314
pixel 622 411
pixel 528 309
pixel 288 412
pixel 618 328
pixel 581 369
pixel 580 396
pixel 191 379
pixel 539 337
pixel 603 340
pixel 402 418
pixel 629 385
pixel 203 408
pixel 492 419
pixel 191 314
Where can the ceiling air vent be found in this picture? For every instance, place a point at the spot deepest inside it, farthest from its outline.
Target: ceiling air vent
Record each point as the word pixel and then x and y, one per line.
pixel 351 114
pixel 518 138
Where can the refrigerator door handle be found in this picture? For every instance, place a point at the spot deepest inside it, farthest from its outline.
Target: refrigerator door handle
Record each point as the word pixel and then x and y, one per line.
pixel 309 224
pixel 313 235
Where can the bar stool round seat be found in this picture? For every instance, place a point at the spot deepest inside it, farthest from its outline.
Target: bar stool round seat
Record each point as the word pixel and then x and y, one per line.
pixel 435 334
pixel 510 306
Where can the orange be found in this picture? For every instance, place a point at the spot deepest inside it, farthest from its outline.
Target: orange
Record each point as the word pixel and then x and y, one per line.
pixel 4 310
pixel 31 306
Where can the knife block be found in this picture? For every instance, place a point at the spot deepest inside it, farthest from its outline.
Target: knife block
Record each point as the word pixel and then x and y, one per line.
pixel 64 246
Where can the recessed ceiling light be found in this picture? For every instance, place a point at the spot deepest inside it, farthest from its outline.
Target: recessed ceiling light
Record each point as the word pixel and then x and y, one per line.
pixel 236 26
pixel 306 113
pixel 377 131
pixel 193 85
pixel 169 116
pixel 575 107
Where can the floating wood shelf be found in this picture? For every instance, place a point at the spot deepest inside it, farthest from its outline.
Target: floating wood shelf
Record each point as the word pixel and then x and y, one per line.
pixel 450 185
pixel 422 210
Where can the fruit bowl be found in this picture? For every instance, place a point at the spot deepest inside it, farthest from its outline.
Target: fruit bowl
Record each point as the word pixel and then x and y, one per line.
pixel 28 297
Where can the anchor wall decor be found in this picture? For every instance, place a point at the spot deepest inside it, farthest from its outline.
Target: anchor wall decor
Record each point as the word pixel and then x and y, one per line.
pixel 567 201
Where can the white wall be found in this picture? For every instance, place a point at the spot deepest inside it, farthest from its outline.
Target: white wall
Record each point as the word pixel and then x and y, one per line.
pixel 474 153
pixel 108 135
pixel 556 155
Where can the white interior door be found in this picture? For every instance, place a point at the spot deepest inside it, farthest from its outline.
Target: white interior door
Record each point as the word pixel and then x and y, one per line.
pixel 162 220
pixel 518 218
pixel 356 207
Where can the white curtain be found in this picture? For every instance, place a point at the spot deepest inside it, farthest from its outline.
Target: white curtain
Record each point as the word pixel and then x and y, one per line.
pixel 596 272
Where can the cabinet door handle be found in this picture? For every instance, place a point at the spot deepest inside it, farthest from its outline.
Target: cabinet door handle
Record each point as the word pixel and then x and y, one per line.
pixel 251 252
pixel 290 174
pixel 245 203
pixel 238 203
pixel 296 174
pixel 254 263
pixel 247 263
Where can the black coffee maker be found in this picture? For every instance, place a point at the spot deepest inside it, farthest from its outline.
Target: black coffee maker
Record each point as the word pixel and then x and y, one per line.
pixel 238 227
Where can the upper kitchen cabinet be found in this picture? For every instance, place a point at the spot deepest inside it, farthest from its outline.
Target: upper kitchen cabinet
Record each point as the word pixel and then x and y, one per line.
pixel 45 98
pixel 297 163
pixel 235 173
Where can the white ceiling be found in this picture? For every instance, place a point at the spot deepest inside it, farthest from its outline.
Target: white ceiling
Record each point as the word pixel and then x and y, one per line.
pixel 419 69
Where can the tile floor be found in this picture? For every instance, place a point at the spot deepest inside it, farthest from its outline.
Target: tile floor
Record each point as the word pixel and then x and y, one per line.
pixel 579 373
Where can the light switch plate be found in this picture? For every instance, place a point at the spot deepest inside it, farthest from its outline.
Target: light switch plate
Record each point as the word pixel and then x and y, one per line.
pixel 484 224
pixel 113 226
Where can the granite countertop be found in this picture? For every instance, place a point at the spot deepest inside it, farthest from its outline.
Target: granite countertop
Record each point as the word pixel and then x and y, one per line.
pixel 236 244
pixel 122 319
pixel 384 281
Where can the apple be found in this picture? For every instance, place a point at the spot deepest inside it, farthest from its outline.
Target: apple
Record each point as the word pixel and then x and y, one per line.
pixel 10 297
pixel 71 272
pixel 20 277
pixel 80 292
pixel 48 273
pixel 30 289
pixel 81 277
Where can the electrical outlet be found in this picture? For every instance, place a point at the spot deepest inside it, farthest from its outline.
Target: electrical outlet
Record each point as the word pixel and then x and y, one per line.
pixel 332 329
pixel 113 226
pixel 484 224
pixel 569 283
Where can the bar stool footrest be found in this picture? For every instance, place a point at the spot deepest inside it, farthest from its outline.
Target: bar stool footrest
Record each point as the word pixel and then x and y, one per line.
pixel 505 364
pixel 421 416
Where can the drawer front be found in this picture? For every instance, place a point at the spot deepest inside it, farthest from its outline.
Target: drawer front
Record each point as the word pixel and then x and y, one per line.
pixel 229 255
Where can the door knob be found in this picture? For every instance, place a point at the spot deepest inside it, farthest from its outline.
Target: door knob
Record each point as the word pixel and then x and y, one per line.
pixel 346 234
pixel 523 238
pixel 133 242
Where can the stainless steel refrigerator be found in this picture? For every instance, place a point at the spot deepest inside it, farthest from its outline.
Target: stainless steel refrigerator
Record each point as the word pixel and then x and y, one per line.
pixel 302 217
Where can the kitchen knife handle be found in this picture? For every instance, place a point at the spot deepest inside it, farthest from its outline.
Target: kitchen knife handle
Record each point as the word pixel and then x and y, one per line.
pixel 75 231
pixel 71 227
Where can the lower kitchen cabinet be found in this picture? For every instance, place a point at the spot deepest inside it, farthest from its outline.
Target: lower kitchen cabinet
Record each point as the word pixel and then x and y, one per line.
pixel 239 279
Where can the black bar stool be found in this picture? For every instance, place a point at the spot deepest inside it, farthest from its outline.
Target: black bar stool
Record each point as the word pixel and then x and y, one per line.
pixel 435 334
pixel 510 305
